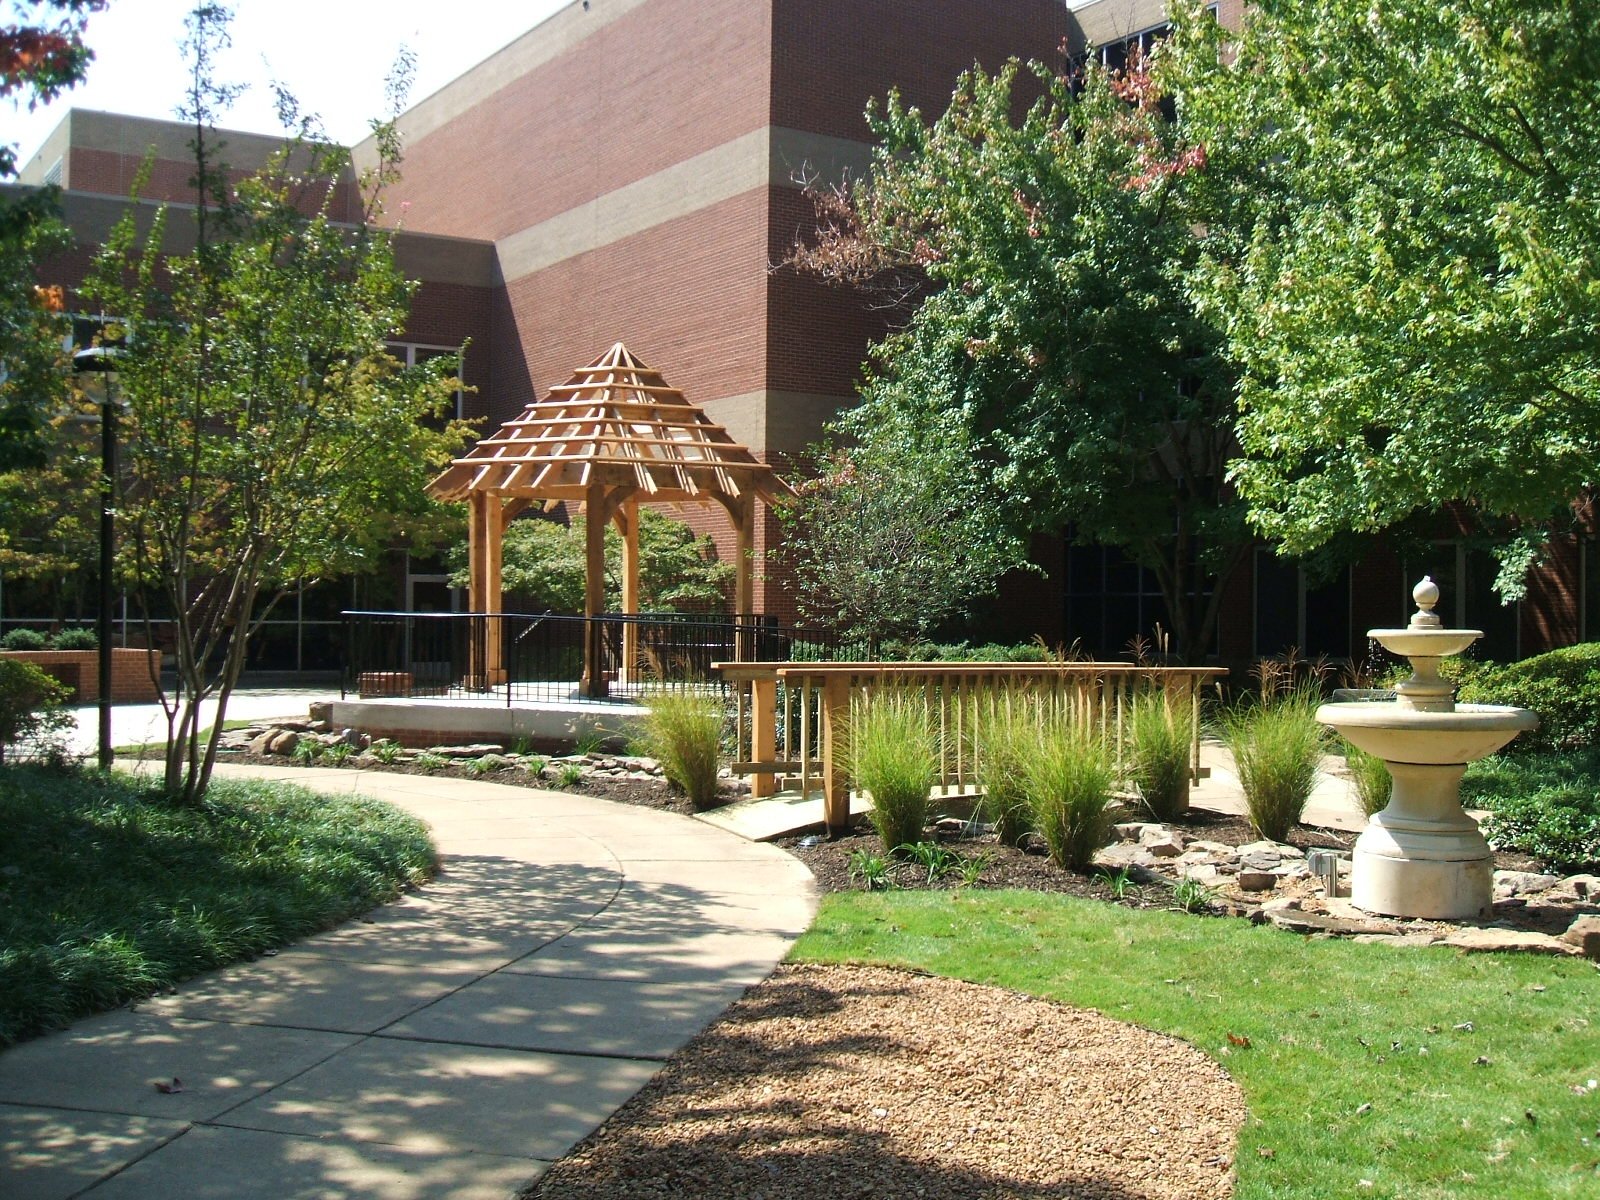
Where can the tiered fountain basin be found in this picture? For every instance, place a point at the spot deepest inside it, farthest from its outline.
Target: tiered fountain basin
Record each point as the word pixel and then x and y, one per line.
pixel 1422 856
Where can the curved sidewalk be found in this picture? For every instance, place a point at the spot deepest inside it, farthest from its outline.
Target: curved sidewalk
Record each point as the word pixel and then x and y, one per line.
pixel 451 1044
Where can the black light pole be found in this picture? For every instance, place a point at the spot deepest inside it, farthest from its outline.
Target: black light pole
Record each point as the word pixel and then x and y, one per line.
pixel 102 360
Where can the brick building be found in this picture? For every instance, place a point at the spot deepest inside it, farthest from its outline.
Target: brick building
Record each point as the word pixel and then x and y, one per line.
pixel 631 169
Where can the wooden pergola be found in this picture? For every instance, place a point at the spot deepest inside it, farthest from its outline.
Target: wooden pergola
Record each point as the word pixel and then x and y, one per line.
pixel 613 436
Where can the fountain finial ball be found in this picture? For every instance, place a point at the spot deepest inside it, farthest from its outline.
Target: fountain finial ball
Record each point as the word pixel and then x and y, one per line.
pixel 1426 594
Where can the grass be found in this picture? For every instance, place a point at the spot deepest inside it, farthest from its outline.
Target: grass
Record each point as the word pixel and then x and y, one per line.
pixel 1371 778
pixel 1277 747
pixel 108 894
pixel 684 734
pixel 894 757
pixel 1007 734
pixel 1332 1026
pixel 1160 739
pixel 1068 780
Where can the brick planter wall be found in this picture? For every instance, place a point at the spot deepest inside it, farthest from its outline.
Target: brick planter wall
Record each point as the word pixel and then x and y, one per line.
pixel 131 681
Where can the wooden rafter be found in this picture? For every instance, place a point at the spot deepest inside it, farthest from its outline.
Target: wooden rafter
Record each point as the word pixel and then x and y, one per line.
pixel 615 423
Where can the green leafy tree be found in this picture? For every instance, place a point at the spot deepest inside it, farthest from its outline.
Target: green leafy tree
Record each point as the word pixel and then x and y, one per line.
pixel 42 54
pixel 1057 352
pixel 1414 298
pixel 881 549
pixel 543 564
pixel 270 440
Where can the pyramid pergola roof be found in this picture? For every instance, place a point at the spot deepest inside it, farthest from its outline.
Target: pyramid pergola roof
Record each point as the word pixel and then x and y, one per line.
pixel 618 424
pixel 612 437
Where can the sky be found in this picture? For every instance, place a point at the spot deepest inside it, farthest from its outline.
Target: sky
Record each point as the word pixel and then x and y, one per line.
pixel 332 54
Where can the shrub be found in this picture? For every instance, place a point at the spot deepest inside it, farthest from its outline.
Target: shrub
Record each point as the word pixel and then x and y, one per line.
pixel 894 758
pixel 570 775
pixel 1069 779
pixel 1562 686
pixel 386 751
pixel 1371 778
pixel 684 734
pixel 75 639
pixel 1277 746
pixel 1007 734
pixel 1160 732
pixel 23 639
pixel 1546 805
pixel 33 717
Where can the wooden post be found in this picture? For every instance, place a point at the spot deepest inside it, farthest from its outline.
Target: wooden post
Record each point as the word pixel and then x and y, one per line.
pixel 481 510
pixel 744 521
pixel 494 597
pixel 627 521
pixel 835 719
pixel 594 590
pixel 763 734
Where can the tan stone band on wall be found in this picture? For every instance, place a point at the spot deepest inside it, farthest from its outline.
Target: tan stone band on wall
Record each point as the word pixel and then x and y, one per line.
pixel 770 156
pixel 551 38
pixel 775 421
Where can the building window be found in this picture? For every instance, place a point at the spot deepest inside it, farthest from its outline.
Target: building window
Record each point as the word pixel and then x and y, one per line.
pixel 1111 601
pixel 1465 573
pixel 1292 612
pixel 409 354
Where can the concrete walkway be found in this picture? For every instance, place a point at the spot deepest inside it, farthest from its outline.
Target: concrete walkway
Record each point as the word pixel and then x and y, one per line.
pixel 450 1045
pixel 138 724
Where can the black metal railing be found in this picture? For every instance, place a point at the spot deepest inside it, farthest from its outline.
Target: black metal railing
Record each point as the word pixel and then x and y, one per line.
pixel 509 657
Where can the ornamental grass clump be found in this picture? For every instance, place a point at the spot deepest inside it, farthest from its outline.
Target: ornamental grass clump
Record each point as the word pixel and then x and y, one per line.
pixel 1160 733
pixel 894 758
pixel 1370 777
pixel 684 733
pixel 1277 746
pixel 1007 735
pixel 1069 778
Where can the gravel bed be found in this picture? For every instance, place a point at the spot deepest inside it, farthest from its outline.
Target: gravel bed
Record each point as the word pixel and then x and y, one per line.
pixel 866 1082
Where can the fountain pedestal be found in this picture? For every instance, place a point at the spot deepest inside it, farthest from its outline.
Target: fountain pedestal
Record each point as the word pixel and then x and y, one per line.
pixel 1422 856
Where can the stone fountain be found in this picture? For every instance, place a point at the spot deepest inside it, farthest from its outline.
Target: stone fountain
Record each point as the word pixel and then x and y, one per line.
pixel 1422 856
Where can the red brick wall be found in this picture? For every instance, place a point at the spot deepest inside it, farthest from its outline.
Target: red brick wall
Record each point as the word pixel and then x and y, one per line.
pixel 108 173
pixel 668 80
pixel 830 56
pixel 448 314
pixel 687 296
pixel 1550 612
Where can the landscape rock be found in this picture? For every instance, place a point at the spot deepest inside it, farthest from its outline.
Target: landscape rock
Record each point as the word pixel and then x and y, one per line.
pixel 1130 831
pixel 1215 849
pixel 473 751
pixel 1203 873
pixel 283 741
pixel 1281 849
pixel 261 742
pixel 1257 881
pixel 1259 860
pixel 1312 922
pixel 355 739
pixel 493 762
pixel 1120 855
pixel 1161 841
pixel 1517 883
pixel 1584 935
pixel 321 710
pixel 1477 941
pixel 1576 887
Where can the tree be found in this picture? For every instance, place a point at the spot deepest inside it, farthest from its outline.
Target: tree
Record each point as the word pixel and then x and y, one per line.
pixel 42 54
pixel 543 564
pixel 1056 352
pixel 270 439
pixel 1414 302
pixel 884 550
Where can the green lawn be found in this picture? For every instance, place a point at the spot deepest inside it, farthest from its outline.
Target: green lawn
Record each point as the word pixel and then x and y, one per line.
pixel 1332 1027
pixel 108 893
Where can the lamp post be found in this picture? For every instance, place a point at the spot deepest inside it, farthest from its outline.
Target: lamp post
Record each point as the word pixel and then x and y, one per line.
pixel 102 361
